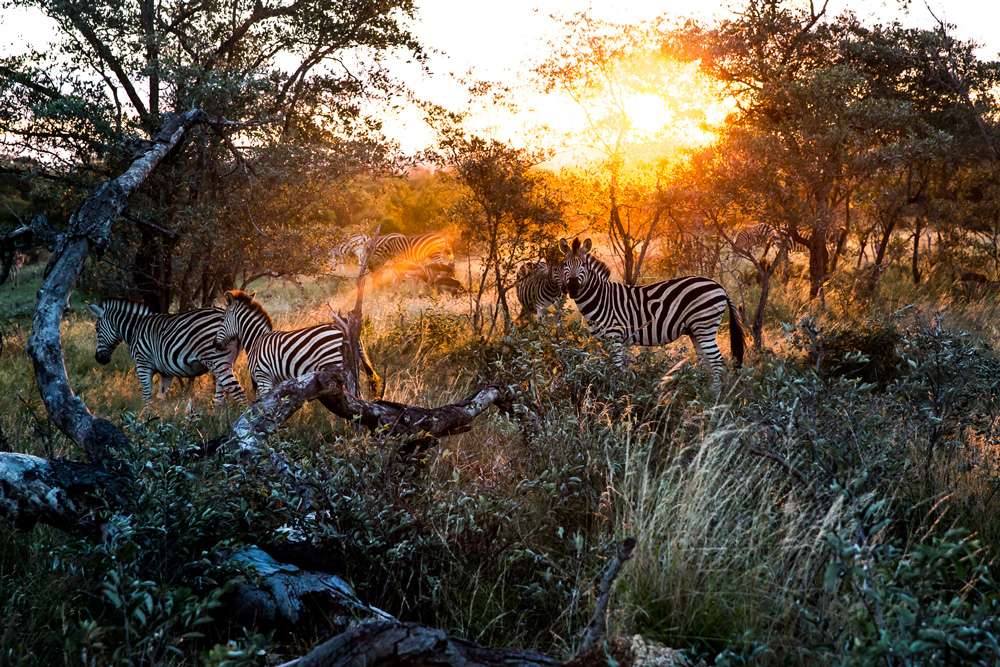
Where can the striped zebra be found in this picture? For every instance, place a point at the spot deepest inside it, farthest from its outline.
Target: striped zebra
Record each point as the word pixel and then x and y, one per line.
pixel 537 290
pixel 180 345
pixel 654 314
pixel 755 236
pixel 393 248
pixel 275 356
pixel 352 244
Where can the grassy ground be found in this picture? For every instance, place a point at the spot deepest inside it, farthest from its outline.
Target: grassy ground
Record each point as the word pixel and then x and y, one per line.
pixel 501 533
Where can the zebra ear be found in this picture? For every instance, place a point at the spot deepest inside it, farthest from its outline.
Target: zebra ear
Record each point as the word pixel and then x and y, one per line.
pixel 564 245
pixel 253 294
pixel 587 245
pixel 97 310
pixel 229 298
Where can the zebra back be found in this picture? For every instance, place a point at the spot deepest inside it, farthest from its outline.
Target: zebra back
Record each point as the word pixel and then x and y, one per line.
pixel 393 248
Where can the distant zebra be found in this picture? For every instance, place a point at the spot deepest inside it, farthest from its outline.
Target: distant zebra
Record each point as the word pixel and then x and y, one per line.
pixel 755 236
pixel 537 290
pixel 180 345
pixel 275 356
pixel 15 268
pixel 654 314
pixel 393 248
pixel 352 244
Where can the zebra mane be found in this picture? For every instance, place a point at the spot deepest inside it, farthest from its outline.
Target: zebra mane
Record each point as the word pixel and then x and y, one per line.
pixel 600 269
pixel 121 303
pixel 253 305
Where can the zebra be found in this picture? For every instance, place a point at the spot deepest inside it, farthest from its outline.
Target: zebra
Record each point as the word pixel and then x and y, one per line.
pixel 275 356
pixel 431 273
pixel 181 345
pixel 537 290
pixel 755 236
pixel 393 248
pixel 352 244
pixel 654 314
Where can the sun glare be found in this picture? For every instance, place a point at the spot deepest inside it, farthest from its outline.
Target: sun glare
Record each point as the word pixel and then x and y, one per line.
pixel 648 113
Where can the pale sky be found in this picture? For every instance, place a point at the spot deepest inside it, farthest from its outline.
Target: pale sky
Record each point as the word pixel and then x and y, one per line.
pixel 495 39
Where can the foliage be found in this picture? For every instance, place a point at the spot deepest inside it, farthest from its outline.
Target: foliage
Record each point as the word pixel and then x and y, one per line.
pixel 509 213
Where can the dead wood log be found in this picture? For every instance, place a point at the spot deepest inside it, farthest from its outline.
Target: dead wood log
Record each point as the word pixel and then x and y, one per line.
pixel 88 230
pixel 595 629
pixel 411 644
pixel 64 494
pixel 279 595
pixel 328 386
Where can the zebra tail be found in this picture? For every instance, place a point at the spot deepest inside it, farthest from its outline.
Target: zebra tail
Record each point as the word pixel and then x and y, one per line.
pixel 737 336
pixel 374 381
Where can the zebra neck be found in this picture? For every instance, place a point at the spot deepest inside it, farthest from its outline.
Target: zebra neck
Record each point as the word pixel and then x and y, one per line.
pixel 128 326
pixel 596 303
pixel 253 328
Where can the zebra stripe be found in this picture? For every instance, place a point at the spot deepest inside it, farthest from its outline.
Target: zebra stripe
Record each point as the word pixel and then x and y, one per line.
pixel 755 236
pixel 654 314
pixel 537 290
pixel 180 345
pixel 393 248
pixel 275 356
pixel 352 244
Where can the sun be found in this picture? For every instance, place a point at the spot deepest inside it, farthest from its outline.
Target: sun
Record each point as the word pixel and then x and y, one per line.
pixel 648 114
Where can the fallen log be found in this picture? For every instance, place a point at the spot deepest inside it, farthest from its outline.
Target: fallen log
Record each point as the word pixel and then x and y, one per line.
pixel 411 644
pixel 280 595
pixel 328 386
pixel 59 493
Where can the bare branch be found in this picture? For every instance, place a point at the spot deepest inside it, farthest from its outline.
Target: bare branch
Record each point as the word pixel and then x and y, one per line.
pixel 595 629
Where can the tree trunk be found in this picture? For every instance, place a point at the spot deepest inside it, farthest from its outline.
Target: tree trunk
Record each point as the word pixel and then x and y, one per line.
pixel 916 250
pixel 880 254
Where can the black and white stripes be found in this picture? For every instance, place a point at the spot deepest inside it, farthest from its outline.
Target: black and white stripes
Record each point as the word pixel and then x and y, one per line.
pixel 393 248
pixel 537 288
pixel 180 345
pixel 654 314
pixel 274 356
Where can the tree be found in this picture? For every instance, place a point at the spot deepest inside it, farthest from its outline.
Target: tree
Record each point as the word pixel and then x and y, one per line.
pixel 508 214
pixel 297 75
pixel 637 106
pixel 829 104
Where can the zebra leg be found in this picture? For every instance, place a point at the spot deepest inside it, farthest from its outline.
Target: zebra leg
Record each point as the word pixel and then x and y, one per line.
pixel 145 374
pixel 707 349
pixel 226 384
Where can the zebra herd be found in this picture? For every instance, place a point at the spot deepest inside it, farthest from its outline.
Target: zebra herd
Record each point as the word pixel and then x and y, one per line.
pixel 208 340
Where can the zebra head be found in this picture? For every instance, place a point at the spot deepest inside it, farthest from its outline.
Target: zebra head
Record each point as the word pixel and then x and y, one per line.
pixel 576 269
pixel 113 317
pixel 243 321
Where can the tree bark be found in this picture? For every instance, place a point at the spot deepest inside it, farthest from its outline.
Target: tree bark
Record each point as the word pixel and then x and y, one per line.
pixel 411 644
pixel 89 229
pixel 59 493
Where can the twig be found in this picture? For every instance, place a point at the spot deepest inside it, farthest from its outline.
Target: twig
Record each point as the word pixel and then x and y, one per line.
pixel 595 629
pixel 783 462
